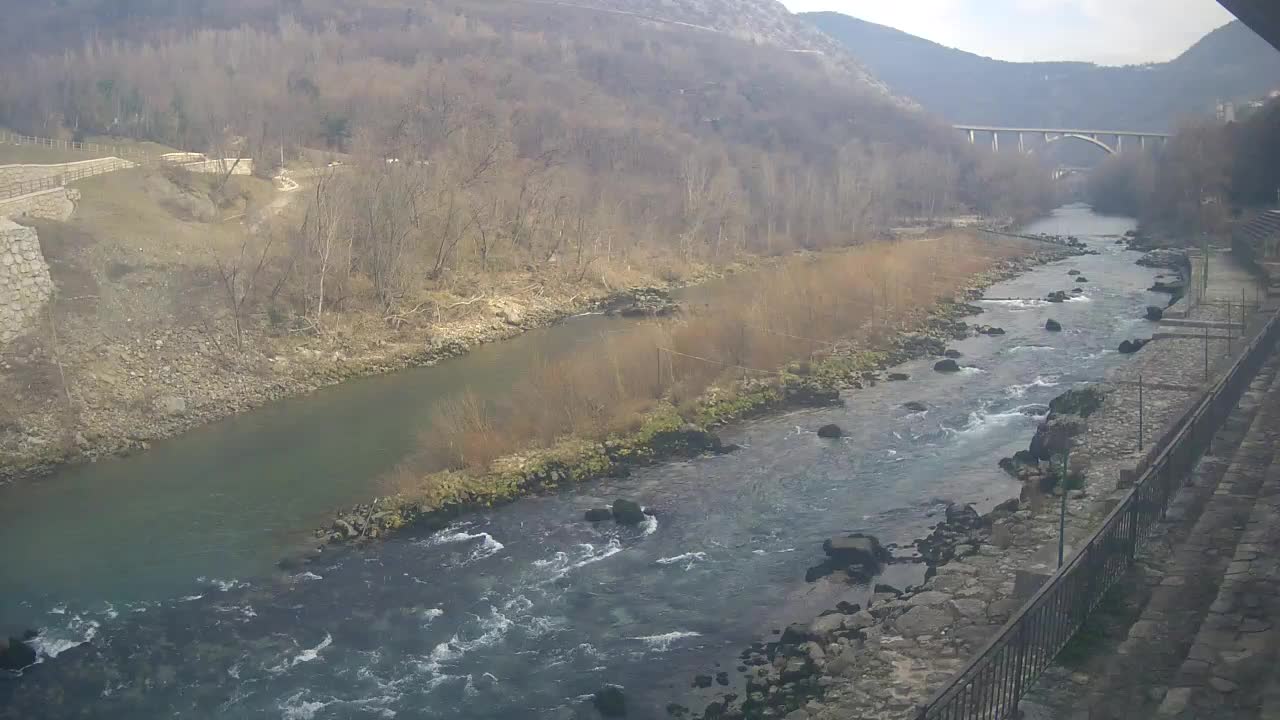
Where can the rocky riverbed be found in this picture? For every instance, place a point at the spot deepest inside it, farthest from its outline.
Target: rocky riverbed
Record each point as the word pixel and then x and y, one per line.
pixel 883 661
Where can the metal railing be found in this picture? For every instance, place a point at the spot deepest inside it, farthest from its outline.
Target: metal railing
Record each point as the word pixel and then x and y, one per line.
pixel 26 187
pixel 142 158
pixel 996 678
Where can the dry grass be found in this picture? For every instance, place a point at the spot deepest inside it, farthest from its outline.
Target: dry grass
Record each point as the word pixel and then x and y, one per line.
pixel 801 310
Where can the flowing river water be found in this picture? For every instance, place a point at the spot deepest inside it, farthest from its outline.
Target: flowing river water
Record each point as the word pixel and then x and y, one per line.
pixel 166 562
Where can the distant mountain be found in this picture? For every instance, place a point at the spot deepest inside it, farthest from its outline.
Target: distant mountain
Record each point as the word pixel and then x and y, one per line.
pixel 1230 63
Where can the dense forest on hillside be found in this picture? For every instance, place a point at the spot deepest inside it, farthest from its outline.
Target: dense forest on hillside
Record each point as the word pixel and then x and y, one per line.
pixel 509 134
pixel 1203 172
pixel 1230 63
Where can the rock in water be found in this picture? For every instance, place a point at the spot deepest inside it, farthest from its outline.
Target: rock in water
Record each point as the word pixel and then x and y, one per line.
pixel 1155 313
pixel 610 701
pixel 627 512
pixel 1073 272
pixel 830 431
pixel 16 655
pixel 1052 325
pixel 856 548
pixel 915 406
pixel 954 354
pixel 947 366
pixel 989 330
pixel 1128 347
pixel 898 377
pixel 598 514
pixel 1082 279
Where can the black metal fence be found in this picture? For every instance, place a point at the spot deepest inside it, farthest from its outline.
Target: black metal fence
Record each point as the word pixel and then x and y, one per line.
pixel 995 679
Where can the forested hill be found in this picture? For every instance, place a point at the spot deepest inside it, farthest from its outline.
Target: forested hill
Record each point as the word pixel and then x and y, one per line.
pixel 1230 63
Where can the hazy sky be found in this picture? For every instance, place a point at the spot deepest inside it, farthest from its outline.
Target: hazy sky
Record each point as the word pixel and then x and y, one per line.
pixel 1112 32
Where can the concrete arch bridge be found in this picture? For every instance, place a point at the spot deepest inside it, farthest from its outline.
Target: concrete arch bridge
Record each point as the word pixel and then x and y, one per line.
pixel 1110 141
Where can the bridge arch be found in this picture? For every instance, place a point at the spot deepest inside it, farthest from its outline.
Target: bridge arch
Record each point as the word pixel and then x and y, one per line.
pixel 1049 140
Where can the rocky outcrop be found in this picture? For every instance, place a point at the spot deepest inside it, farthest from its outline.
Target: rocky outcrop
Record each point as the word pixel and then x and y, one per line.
pixel 1129 347
pixel 1155 313
pixel 1052 325
pixel 628 512
pixel 859 556
pixel 1164 258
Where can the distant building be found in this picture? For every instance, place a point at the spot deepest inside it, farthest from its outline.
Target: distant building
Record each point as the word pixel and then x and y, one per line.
pixel 1226 111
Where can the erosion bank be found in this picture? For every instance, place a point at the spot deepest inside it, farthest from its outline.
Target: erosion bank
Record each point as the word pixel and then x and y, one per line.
pixel 882 661
pixel 672 429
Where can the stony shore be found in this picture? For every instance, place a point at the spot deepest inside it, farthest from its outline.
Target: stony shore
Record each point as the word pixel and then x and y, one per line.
pixel 883 661
pixel 665 434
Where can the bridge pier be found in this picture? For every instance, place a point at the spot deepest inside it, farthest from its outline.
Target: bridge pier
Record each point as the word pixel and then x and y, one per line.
pixel 1022 147
pixel 995 142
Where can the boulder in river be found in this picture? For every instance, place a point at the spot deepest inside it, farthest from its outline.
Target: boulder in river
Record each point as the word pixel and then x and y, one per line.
pixel 16 654
pixel 628 512
pixel 1155 313
pixel 953 354
pixel 598 514
pixel 1129 347
pixel 857 548
pixel 830 431
pixel 1073 272
pixel 1082 279
pixel 1057 296
pixel 898 377
pixel 610 701
pixel 1052 325
pixel 988 330
pixel 1083 401
pixel 915 406
pixel 947 366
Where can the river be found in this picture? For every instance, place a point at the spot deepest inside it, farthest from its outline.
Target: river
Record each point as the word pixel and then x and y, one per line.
pixel 167 560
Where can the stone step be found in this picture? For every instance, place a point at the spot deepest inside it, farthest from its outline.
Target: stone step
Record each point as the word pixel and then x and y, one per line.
pixel 1224 672
pixel 1188 553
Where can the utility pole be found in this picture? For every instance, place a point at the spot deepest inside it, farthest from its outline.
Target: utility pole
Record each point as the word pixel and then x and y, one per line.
pixel 1062 513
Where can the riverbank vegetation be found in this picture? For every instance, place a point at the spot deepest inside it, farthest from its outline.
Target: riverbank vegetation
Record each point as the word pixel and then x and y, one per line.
pixel 1196 180
pixel 791 334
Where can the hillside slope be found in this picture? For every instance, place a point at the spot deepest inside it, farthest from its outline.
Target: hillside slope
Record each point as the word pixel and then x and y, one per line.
pixel 1230 63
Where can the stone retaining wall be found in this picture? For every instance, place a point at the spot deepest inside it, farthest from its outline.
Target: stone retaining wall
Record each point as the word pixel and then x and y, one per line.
pixel 56 204
pixel 25 285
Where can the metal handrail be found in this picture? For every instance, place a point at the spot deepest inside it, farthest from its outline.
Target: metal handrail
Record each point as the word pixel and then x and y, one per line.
pixel 995 679
pixel 53 182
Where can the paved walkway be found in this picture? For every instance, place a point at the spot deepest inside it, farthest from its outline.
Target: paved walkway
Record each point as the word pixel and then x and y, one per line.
pixel 1193 628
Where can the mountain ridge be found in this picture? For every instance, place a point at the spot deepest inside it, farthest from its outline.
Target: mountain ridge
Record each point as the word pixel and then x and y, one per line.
pixel 1229 63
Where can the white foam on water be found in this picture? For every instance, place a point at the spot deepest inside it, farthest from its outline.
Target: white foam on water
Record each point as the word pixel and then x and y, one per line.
pixel 295 708
pixel 52 642
pixel 494 628
pixel 1030 348
pixel 689 557
pixel 58 610
pixel 305 656
pixel 663 642
pixel 650 525
pixel 1017 391
pixel 981 422
pixel 222 585
pixel 1017 303
pixel 488 547
pixel 970 370
pixel 561 564
pixel 431 614
pixel 308 575
pixel 190 598
pixel 1079 299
